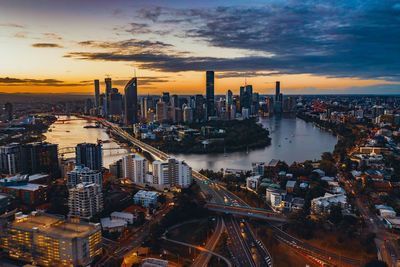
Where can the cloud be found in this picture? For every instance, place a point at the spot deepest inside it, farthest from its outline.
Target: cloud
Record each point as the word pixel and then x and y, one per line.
pixel 134 44
pixel 336 38
pixel 145 80
pixel 46 45
pixel 51 36
pixel 12 25
pixel 21 35
pixel 8 81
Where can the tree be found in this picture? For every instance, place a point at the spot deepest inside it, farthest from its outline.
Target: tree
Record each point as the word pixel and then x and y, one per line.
pixel 161 198
pixel 376 263
pixel 335 214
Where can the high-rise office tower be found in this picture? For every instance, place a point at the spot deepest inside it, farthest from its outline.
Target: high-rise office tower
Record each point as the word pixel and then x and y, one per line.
pixel 187 114
pixel 89 155
pixel 210 93
pixel 96 93
pixel 131 106
pixel 175 101
pixel 229 97
pixel 278 99
pixel 165 97
pixel 277 90
pixel 108 85
pixel 161 111
pixel 199 113
pixel 143 107
pixel 106 104
pixel 115 102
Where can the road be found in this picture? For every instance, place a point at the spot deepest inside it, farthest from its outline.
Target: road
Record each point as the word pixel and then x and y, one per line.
pixel 247 211
pixel 386 242
pixel 203 258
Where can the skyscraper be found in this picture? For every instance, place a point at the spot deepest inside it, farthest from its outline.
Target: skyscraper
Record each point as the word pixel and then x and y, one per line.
pixel 106 104
pixel 278 98
pixel 115 102
pixel 277 90
pixel 96 93
pixel 131 106
pixel 210 92
pixel 161 111
pixel 89 155
pixel 108 85
pixel 229 97
pixel 143 107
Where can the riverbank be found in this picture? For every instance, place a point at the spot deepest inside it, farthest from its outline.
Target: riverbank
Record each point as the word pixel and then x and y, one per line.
pixel 217 137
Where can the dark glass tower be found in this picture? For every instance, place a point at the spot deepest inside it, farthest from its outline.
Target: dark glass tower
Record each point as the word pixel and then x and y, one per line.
pixel 277 90
pixel 131 106
pixel 210 93
pixel 96 93
pixel 89 155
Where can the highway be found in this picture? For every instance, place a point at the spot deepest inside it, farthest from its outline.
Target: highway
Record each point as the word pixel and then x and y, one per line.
pixel 247 211
pixel 203 258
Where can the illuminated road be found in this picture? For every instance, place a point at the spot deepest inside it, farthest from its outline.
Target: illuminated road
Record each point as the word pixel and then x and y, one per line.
pixel 246 211
pixel 203 258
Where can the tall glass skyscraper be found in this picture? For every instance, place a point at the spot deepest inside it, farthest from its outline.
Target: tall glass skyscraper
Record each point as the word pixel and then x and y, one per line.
pixel 131 106
pixel 210 93
pixel 96 93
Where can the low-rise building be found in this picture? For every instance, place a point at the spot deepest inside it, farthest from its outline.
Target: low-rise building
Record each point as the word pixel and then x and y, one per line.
pixel 385 211
pixel 51 240
pixel 146 198
pixel 290 186
pixel 113 225
pixel 275 196
pixel 252 182
pixel 323 204
pixel 128 217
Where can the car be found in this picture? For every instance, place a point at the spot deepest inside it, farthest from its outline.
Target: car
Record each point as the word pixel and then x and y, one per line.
pixel 293 242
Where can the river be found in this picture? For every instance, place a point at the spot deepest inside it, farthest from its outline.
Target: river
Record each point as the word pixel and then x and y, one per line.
pixel 71 133
pixel 292 140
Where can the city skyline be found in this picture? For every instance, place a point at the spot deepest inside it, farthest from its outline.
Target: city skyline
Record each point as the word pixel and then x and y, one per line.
pixel 340 47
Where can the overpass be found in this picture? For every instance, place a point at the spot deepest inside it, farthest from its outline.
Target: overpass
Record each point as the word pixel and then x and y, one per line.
pixel 246 211
pixel 71 150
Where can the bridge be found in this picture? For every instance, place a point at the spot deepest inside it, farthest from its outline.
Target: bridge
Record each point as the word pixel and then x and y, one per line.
pixel 154 152
pixel 71 150
pixel 246 211
pixel 79 119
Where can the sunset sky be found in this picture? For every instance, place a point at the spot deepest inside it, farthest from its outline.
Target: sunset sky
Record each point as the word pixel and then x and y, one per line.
pixel 313 47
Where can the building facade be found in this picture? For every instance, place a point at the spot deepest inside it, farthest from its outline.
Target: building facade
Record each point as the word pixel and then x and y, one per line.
pixel 50 240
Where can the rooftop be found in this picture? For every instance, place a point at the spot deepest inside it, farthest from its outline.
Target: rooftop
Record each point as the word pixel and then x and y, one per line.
pixel 28 187
pixel 54 226
pixel 290 183
pixel 146 194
